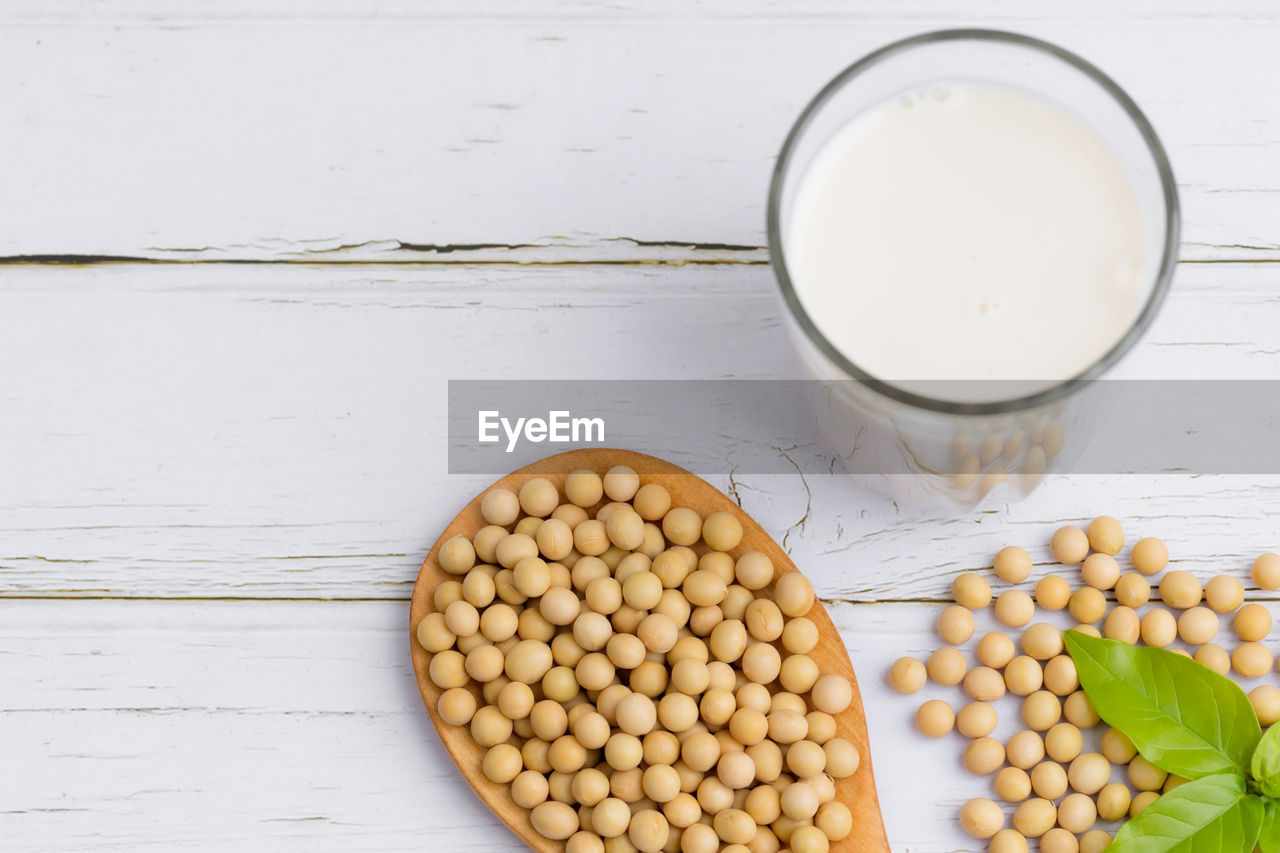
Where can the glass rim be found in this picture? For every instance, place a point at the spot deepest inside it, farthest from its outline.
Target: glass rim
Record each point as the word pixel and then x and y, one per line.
pixel 1060 389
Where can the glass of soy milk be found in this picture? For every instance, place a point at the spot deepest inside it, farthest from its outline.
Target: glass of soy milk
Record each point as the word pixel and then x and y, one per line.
pixel 968 227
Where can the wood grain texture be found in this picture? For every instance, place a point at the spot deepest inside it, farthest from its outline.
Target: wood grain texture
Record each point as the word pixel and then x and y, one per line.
pixel 858 792
pixel 198 11
pixel 258 431
pixel 298 726
pixel 421 143
pixel 271 431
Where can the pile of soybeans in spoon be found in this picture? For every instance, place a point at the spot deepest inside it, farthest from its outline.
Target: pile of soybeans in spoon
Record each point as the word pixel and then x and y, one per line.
pixel 1052 783
pixel 636 686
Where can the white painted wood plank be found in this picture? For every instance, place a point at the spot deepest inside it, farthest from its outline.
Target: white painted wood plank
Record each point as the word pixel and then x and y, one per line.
pixel 135 11
pixel 255 431
pixel 292 130
pixel 215 726
pixel 269 432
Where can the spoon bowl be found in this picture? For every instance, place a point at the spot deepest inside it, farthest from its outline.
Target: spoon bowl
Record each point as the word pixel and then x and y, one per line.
pixel 857 792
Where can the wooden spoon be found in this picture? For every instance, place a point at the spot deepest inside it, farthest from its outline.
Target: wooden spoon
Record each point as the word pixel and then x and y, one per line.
pixel 858 792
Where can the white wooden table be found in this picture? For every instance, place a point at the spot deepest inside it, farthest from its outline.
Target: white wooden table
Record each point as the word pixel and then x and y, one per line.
pixel 245 244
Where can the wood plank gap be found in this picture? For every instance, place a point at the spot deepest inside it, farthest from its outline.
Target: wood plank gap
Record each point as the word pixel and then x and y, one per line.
pixel 85 261
pixel 247 599
pixel 556 251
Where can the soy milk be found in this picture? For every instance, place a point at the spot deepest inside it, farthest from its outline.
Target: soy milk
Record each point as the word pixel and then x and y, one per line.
pixel 968 231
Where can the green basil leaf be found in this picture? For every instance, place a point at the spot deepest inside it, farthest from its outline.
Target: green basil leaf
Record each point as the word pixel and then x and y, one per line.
pixel 1265 765
pixel 1182 716
pixel 1213 814
pixel 1269 840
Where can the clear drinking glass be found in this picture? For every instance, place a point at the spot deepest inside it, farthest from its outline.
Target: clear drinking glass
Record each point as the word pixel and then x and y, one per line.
pixel 912 444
